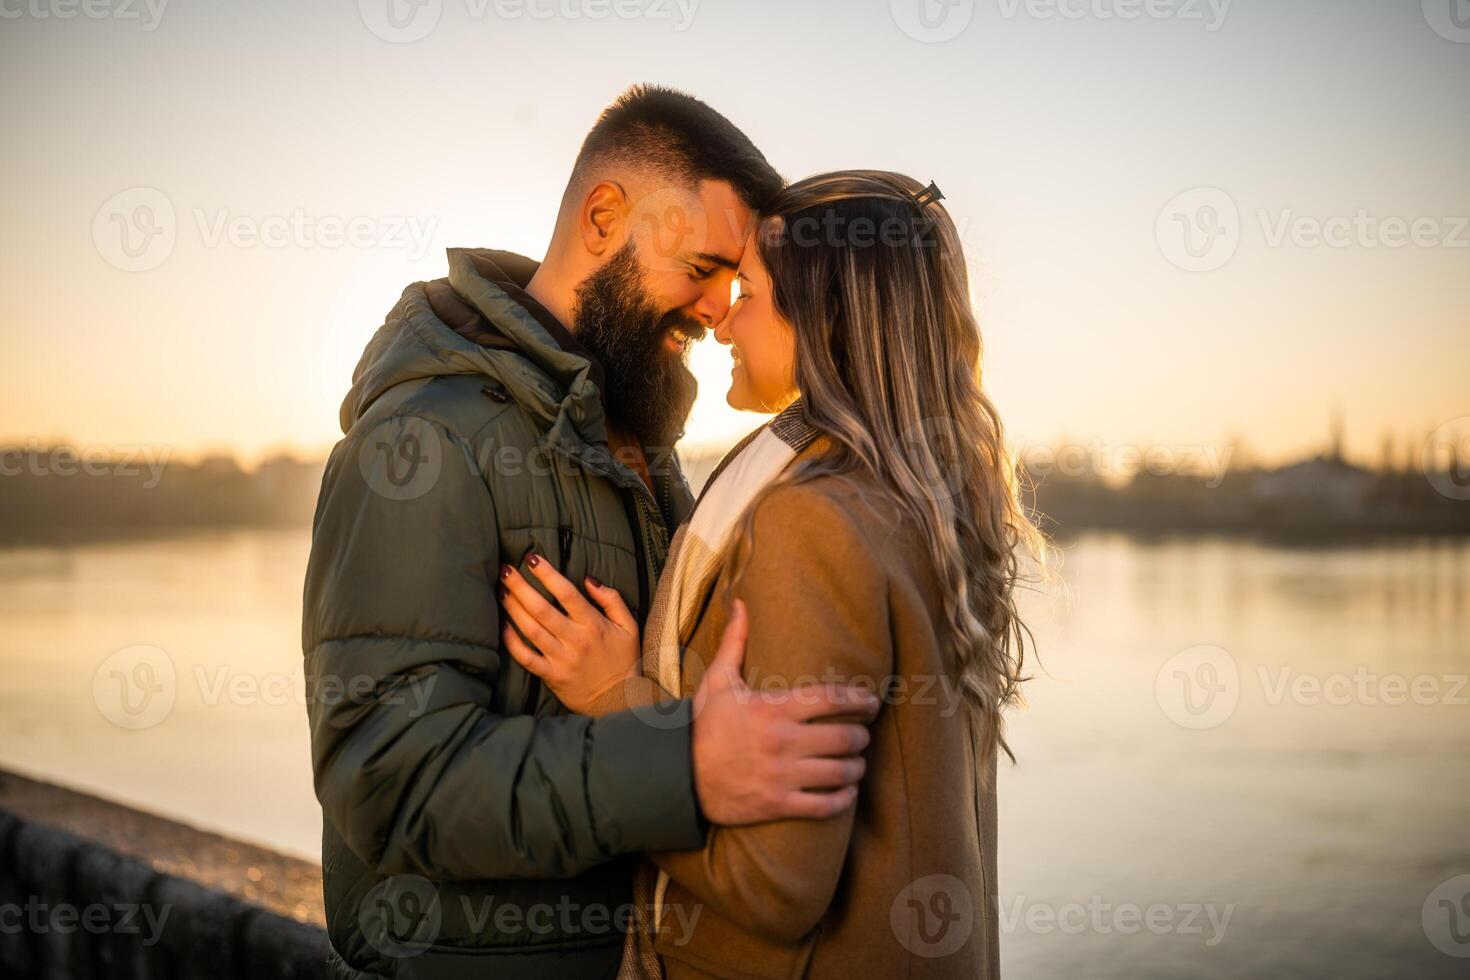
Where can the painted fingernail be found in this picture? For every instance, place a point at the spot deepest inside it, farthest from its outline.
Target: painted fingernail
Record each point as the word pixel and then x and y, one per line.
pixel 502 592
pixel 533 559
pixel 505 571
pixel 595 583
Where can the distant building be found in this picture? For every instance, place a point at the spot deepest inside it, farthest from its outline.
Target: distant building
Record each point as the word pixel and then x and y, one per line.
pixel 1326 485
pixel 220 466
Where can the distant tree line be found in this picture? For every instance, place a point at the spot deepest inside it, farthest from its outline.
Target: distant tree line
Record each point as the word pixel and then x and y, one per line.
pixel 62 493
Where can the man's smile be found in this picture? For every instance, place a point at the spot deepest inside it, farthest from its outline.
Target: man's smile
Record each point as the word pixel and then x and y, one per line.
pixel 678 337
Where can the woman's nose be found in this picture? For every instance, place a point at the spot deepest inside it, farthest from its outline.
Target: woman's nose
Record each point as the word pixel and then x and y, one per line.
pixel 722 330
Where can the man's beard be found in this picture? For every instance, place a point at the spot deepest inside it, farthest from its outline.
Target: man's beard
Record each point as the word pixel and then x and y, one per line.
pixel 648 389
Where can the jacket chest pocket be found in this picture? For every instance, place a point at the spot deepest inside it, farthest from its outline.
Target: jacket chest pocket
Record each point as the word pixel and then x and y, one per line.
pixel 523 692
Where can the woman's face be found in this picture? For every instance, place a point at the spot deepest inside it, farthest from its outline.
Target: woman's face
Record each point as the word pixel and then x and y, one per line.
pixel 762 344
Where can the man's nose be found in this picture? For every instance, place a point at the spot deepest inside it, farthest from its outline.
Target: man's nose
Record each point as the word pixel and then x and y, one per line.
pixel 713 305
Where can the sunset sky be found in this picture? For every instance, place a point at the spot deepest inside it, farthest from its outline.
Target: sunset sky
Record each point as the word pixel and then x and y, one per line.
pixel 1062 144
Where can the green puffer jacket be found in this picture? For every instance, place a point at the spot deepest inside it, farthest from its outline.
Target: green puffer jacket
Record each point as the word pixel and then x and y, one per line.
pixel 472 827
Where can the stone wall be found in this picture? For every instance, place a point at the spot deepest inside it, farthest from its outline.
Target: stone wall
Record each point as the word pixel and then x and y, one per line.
pixel 90 889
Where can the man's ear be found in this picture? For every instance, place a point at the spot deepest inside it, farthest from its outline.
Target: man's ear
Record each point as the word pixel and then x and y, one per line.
pixel 603 217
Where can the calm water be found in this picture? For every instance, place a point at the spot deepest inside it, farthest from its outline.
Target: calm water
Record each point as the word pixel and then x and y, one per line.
pixel 1238 760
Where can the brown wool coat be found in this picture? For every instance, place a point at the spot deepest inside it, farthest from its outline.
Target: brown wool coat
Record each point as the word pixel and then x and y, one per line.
pixel 839 586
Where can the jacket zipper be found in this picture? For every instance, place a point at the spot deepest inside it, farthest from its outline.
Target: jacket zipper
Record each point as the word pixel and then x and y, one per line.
pixel 640 545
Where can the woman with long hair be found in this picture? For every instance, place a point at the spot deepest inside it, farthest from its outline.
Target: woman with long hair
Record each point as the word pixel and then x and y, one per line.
pixel 870 533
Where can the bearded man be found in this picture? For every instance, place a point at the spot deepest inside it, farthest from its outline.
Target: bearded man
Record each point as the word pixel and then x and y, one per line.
pixel 472 826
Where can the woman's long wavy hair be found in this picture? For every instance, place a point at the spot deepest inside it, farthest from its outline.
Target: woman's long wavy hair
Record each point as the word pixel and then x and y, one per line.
pixel 873 281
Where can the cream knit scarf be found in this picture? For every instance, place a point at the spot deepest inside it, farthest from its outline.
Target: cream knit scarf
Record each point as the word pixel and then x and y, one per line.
pixel 689 574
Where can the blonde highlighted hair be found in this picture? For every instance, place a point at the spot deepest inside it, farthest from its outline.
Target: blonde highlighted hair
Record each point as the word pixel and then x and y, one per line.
pixel 872 278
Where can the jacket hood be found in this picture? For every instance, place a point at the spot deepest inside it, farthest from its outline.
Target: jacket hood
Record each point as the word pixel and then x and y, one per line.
pixel 472 325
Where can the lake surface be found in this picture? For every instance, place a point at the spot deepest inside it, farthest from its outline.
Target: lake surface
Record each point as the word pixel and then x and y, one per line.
pixel 1238 759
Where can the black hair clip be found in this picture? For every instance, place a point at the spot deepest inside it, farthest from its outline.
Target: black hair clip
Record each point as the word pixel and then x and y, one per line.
pixel 927 196
pixel 921 201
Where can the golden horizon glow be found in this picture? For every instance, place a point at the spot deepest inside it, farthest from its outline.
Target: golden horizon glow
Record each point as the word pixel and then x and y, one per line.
pixel 267 153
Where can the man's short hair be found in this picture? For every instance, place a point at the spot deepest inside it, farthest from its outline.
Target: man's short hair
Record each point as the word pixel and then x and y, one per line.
pixel 680 139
